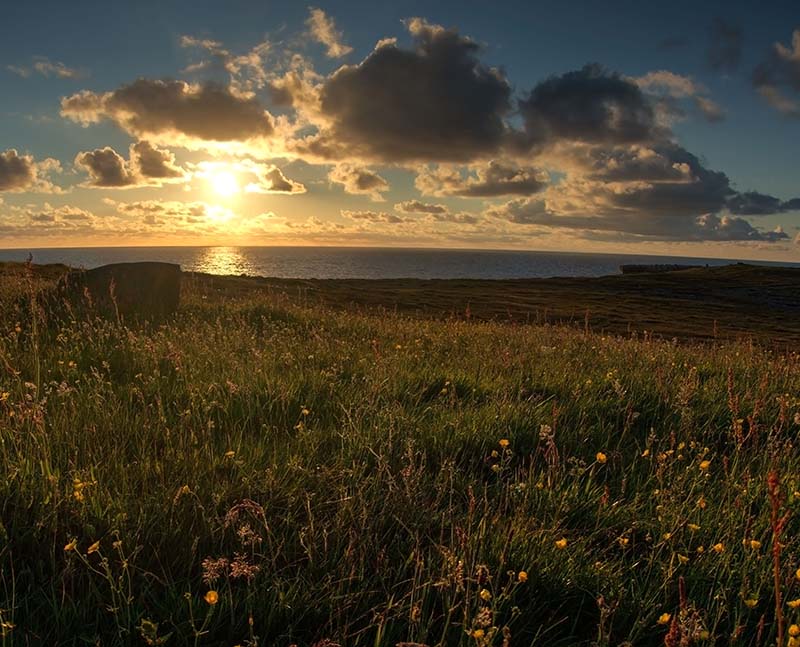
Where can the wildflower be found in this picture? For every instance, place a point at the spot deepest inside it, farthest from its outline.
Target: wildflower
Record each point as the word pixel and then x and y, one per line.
pixel 495 468
pixel 522 576
pixel 485 595
pixel 755 544
pixel 623 541
pixel 700 550
pixel 304 411
pixel 601 457
pixel 793 604
pixel 664 618
pixel 667 536
pixel 504 442
pixel 230 453
pixel 693 527
pixel 683 559
pixel 719 548
pixel 495 454
pixel 704 465
pixel 71 545
pixel 212 597
pixel 477 633
pixel 751 603
pixel 561 544
pixel 794 631
pixel 701 503
pixel 93 548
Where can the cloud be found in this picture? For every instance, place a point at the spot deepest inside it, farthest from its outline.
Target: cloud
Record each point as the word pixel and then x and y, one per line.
pixel 24 173
pixel 148 166
pixel 725 45
pixel 323 30
pixel 359 180
pixel 779 75
pixel 174 112
pixel 664 84
pixel 588 105
pixel 752 203
pixel 45 67
pixel 706 227
pixel 173 213
pixel 433 102
pixel 496 178
pixel 258 177
pixel 246 72
pixel 658 192
pixel 415 206
pixel 270 179
pixel 374 216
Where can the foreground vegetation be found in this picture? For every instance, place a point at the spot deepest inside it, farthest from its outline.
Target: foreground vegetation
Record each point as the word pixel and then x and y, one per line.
pixel 256 471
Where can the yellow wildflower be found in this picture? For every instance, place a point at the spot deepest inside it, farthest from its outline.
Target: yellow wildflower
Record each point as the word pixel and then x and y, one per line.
pixel 477 633
pixel 751 603
pixel 230 453
pixel 601 457
pixel 755 544
pixel 797 574
pixel 645 453
pixel 719 547
pixel 71 545
pixel 704 465
pixel 794 631
pixel 212 597
pixel 701 550
pixel 561 543
pixel 504 442
pixel 93 548
pixel 485 595
pixel 693 527
pixel 683 559
pixel 522 576
pixel 664 618
pixel 794 604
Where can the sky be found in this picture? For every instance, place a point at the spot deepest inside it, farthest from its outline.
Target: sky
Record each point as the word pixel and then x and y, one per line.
pixel 659 128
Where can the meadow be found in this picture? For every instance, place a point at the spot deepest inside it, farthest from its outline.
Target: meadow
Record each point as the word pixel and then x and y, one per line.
pixel 262 470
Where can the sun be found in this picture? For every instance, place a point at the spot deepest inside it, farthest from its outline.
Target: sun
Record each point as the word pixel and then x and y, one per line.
pixel 224 183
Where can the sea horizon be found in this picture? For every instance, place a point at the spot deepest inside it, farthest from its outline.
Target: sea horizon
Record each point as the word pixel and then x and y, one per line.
pixel 353 262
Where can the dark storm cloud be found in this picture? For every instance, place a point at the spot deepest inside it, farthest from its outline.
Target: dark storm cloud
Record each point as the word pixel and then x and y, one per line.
pixel 434 102
pixel 173 109
pixel 752 203
pixel 707 227
pixel 589 105
pixel 725 45
pixel 779 75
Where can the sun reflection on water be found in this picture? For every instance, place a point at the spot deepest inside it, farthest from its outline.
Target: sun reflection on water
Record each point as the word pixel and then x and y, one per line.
pixel 224 260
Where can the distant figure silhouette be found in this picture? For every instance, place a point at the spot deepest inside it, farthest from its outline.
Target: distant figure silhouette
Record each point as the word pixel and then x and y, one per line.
pixel 133 291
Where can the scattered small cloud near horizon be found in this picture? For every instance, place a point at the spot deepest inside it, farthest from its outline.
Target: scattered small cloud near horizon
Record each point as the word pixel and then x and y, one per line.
pixel 259 141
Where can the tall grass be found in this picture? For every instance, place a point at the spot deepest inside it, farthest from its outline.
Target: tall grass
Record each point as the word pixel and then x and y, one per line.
pixel 258 472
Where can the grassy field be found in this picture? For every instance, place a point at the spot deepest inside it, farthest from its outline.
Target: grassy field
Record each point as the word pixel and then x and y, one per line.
pixel 267 470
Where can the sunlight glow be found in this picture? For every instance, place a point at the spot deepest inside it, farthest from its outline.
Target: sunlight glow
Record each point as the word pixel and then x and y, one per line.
pixel 224 183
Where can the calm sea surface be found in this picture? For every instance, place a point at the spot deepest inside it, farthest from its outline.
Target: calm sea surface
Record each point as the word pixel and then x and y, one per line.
pixel 348 262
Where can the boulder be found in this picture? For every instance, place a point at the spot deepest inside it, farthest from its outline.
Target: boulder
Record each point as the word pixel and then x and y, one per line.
pixel 130 291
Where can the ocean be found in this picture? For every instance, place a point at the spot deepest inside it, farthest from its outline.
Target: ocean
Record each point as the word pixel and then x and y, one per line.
pixel 362 263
